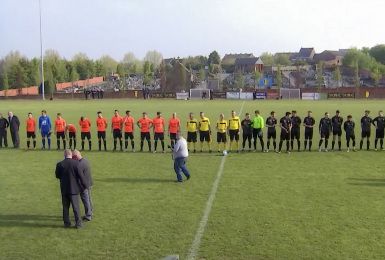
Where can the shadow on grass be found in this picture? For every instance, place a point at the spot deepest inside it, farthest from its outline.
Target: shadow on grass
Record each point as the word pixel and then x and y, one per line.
pixel 37 221
pixel 135 180
pixel 367 179
pixel 367 182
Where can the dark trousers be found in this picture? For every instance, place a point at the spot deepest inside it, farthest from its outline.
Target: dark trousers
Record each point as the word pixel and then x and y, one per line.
pixel 87 202
pixel 180 166
pixel 67 201
pixel 3 137
pixel 257 133
pixel 15 138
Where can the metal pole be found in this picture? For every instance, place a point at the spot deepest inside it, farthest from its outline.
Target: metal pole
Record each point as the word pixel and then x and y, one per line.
pixel 41 57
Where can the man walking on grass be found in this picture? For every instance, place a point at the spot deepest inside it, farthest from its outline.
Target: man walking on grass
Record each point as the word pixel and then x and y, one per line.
pixel 180 154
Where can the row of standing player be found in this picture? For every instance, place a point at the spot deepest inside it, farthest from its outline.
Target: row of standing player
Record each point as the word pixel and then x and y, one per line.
pixel 290 130
pixel 252 129
pixel 290 125
pixel 119 125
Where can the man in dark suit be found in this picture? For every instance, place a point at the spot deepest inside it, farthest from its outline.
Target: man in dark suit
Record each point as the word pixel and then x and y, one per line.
pixel 14 125
pixel 85 195
pixel 71 184
pixel 3 131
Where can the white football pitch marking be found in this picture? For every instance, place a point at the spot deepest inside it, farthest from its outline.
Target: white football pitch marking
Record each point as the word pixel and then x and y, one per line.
pixel 192 254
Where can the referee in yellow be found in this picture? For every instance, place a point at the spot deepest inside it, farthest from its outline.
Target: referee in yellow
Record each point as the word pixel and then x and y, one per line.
pixel 221 132
pixel 192 131
pixel 234 126
pixel 204 131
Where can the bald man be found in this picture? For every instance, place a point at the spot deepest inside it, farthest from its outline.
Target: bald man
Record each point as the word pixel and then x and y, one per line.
pixel 72 182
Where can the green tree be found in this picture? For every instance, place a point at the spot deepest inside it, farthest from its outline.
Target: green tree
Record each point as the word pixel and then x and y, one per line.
pixel 129 64
pixel 121 70
pixel 84 66
pixel 195 63
pixel 202 74
pixel 108 65
pixel 153 57
pixel 34 72
pixel 11 59
pixel 378 53
pixel 5 83
pixel 17 76
pixel 214 58
pixel 267 58
pixel 320 75
pixel 257 76
pixel 376 75
pixel 239 79
pixel 282 59
pixel 180 71
pixel 49 84
pixel 356 75
pixel 337 76
pixel 279 77
pixel 147 73
pixel 73 75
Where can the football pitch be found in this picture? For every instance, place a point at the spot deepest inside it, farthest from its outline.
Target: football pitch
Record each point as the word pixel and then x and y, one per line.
pixel 303 205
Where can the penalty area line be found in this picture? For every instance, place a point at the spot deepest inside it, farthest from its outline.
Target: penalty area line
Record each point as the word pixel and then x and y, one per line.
pixel 192 254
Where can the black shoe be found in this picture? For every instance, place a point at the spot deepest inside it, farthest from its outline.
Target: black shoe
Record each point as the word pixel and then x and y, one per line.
pixel 79 226
pixel 67 225
pixel 188 177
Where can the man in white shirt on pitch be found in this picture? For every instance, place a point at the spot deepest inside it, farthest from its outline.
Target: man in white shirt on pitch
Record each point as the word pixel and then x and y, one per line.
pixel 180 154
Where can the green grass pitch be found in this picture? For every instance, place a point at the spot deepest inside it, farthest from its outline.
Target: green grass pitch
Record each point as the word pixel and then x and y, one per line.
pixel 268 206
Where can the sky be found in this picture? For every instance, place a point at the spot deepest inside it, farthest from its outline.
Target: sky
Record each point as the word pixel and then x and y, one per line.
pixel 188 27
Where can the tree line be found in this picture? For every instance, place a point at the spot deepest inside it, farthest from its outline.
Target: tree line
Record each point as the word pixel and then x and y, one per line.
pixel 17 71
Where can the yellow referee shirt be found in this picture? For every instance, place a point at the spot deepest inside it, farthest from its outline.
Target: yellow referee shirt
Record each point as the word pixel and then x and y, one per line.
pixel 204 124
pixel 222 126
pixel 192 125
pixel 234 123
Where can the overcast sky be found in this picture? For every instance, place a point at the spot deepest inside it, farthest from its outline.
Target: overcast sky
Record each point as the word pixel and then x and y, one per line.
pixel 188 27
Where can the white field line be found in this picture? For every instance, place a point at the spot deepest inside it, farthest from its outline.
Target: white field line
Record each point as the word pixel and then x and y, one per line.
pixel 192 254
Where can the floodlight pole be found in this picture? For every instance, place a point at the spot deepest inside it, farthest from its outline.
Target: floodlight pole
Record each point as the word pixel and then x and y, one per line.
pixel 41 56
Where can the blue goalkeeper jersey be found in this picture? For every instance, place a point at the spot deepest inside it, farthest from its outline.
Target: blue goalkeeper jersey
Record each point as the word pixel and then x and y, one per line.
pixel 44 124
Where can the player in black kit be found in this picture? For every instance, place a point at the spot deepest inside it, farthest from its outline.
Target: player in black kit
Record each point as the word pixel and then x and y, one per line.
pixel 366 123
pixel 247 131
pixel 295 130
pixel 349 129
pixel 285 124
pixel 309 123
pixel 337 129
pixel 379 123
pixel 271 122
pixel 325 128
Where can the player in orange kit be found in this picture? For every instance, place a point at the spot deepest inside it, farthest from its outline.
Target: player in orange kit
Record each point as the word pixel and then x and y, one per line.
pixel 71 130
pixel 145 123
pixel 85 132
pixel 31 130
pixel 60 127
pixel 173 128
pixel 158 125
pixel 101 124
pixel 128 123
pixel 116 128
